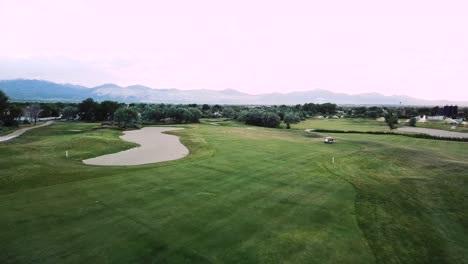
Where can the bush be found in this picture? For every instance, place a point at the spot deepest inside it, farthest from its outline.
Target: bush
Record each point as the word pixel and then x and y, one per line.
pixel 107 123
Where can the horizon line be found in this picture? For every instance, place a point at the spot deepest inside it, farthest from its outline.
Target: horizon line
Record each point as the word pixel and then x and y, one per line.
pixel 225 89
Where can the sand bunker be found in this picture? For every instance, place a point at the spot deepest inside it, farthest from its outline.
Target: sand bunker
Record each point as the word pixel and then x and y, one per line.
pixel 154 147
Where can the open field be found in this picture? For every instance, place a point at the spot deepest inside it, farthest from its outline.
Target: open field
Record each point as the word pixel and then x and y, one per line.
pixel 243 195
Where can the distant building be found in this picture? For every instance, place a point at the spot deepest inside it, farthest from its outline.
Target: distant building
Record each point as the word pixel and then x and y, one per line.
pixel 435 118
pixel 439 113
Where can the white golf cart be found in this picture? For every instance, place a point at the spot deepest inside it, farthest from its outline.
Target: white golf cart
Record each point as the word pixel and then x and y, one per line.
pixel 328 140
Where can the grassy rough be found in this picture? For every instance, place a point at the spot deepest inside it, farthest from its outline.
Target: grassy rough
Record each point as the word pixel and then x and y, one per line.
pixel 349 124
pixel 244 195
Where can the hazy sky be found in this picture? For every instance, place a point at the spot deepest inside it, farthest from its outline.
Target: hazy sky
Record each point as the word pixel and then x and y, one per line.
pixel 413 47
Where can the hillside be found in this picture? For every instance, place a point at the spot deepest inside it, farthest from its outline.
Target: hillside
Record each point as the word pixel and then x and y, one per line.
pixel 39 90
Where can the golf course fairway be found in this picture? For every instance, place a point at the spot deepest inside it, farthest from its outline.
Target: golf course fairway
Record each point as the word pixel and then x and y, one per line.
pixel 243 195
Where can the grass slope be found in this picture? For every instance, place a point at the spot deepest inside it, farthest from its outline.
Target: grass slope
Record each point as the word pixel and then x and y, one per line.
pixel 244 195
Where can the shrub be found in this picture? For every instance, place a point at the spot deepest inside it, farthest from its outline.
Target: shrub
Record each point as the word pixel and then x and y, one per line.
pixel 107 123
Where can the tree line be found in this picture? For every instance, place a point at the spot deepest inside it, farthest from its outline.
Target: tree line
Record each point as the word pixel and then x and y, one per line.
pixel 124 115
pixel 129 115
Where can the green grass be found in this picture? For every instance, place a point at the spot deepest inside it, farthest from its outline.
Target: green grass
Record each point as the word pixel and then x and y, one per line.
pixel 243 195
pixel 349 124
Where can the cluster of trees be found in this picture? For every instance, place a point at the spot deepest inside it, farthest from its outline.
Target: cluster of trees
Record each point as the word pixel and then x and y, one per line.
pixel 8 113
pixel 179 114
pixel 125 115
pixel 90 110
pixel 318 109
pixel 366 112
pixel 258 117
pixel 272 116
pixel 11 113
pixel 403 112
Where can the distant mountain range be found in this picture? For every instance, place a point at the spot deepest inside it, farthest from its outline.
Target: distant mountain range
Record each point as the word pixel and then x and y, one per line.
pixel 39 90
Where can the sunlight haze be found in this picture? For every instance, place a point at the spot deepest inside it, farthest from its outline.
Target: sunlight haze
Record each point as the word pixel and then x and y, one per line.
pixel 415 48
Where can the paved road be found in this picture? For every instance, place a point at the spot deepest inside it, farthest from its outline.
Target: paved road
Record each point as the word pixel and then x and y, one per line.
pixel 21 131
pixel 433 132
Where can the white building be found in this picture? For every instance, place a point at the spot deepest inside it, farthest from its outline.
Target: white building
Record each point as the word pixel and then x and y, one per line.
pixel 437 118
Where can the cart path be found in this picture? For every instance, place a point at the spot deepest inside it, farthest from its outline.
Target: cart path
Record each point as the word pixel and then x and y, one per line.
pixel 20 131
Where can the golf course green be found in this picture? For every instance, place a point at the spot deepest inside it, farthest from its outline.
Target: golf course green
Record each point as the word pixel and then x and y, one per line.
pixel 244 194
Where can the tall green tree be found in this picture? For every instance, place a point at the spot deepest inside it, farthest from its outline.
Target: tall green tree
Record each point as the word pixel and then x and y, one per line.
pixel 11 115
pixel 87 110
pixel 153 113
pixel 69 112
pixel 270 120
pixel 3 106
pixel 291 118
pixel 126 117
pixel 229 112
pixel 206 108
pixel 195 114
pixel 105 110
pixel 391 119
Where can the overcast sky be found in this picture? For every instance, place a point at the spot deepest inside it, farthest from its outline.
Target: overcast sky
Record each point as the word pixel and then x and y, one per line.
pixel 410 47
